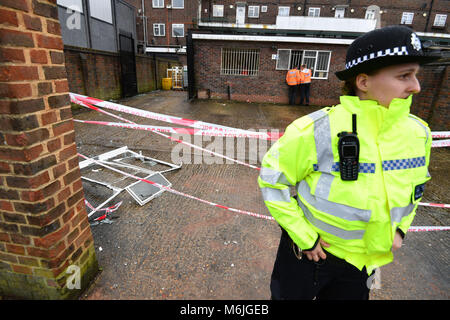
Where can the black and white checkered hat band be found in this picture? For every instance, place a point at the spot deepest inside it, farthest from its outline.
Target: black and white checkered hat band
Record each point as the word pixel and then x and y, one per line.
pixel 397 51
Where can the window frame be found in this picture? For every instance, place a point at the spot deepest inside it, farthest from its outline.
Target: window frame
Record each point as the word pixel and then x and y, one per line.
pixel 439 17
pixel 215 6
pixel 405 18
pixel 178 25
pixel 315 9
pixel 173 7
pixel 94 11
pixel 250 10
pixel 339 9
pixel 159 24
pixel 284 7
pixel 316 58
pixel 157 6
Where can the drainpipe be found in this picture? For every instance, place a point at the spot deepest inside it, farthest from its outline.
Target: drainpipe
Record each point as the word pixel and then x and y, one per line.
pixel 144 26
pixel 429 15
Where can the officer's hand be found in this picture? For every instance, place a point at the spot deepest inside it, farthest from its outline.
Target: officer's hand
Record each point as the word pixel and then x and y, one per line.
pixel 317 253
pixel 398 240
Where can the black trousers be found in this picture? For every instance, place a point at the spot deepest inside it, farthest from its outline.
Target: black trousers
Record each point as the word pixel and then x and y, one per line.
pixel 329 279
pixel 292 94
pixel 304 92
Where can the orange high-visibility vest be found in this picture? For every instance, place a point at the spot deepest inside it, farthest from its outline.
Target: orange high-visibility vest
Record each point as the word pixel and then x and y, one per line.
pixel 293 77
pixel 306 75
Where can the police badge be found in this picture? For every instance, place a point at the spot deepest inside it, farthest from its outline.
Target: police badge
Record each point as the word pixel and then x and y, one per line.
pixel 415 42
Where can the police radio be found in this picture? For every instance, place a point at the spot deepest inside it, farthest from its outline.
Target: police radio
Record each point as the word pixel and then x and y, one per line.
pixel 348 147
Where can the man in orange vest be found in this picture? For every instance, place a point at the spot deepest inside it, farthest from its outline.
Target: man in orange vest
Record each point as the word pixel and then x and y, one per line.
pixel 293 79
pixel 305 84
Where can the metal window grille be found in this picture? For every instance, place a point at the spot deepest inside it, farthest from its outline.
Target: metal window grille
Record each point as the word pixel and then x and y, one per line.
pixel 239 62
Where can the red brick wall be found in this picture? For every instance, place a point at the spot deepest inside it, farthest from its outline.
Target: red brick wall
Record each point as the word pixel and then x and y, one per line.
pixel 97 73
pixel 432 104
pixel 43 221
pixel 270 84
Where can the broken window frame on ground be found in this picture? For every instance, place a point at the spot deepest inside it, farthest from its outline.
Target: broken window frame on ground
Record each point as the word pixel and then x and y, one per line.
pixel 104 157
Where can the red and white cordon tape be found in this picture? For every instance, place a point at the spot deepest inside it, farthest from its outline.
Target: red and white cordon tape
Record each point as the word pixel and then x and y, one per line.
pixel 440 143
pixel 439 205
pixel 440 134
pixel 107 210
pixel 75 98
pixel 427 228
pixel 189 131
pixel 87 105
pixel 144 127
pixel 154 129
pixel 257 215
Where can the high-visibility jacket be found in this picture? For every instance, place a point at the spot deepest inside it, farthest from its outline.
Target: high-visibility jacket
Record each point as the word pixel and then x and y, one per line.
pixel 293 77
pixel 306 75
pixel 357 218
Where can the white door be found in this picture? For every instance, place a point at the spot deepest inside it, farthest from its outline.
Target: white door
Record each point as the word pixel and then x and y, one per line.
pixel 240 13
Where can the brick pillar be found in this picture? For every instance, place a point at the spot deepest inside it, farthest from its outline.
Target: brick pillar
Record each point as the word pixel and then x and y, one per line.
pixel 43 222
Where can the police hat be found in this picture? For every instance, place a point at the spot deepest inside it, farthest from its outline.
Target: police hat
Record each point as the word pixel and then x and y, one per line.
pixel 381 48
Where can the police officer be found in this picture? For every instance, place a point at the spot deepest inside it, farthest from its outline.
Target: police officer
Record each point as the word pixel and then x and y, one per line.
pixel 336 232
pixel 293 78
pixel 305 84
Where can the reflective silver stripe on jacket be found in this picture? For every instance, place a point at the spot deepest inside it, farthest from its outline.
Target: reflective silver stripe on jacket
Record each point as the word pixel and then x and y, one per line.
pixel 398 213
pixel 422 125
pixel 272 194
pixel 325 161
pixel 272 176
pixel 335 231
pixel 332 208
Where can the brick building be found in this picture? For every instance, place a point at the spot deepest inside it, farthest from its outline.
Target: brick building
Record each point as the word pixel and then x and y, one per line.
pixel 45 237
pixel 242 50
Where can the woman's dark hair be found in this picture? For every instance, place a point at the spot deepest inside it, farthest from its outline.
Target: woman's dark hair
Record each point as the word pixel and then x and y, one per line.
pixel 349 87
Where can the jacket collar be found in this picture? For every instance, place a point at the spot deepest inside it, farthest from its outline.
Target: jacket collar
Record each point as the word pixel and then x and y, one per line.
pixel 398 109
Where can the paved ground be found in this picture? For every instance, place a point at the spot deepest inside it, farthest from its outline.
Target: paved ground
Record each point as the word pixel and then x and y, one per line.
pixel 178 248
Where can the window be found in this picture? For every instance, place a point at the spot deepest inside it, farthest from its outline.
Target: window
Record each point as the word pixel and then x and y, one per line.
pixel 317 61
pixel 177 30
pixel 158 3
pixel 407 18
pixel 439 20
pixel 314 12
pixel 159 29
pixel 253 11
pixel 101 9
pixel 263 8
pixel 178 4
pixel 239 62
pixel 71 4
pixel 283 11
pixel 218 10
pixel 370 14
pixel 339 12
